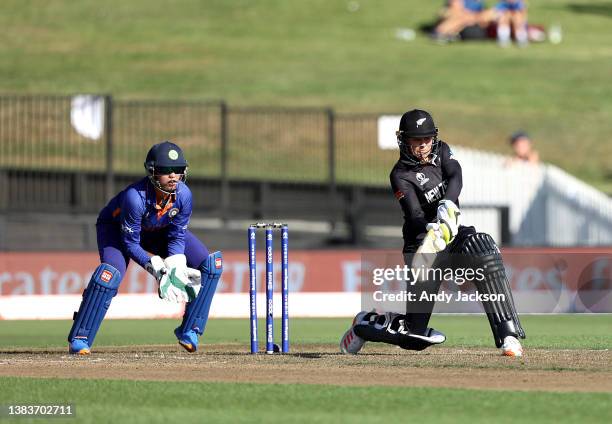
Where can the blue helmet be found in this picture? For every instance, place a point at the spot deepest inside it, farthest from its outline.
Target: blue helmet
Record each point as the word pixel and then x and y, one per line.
pixel 165 158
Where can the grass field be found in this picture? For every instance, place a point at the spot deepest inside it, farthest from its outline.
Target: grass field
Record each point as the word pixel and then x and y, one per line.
pixel 138 374
pixel 546 331
pixel 317 53
pixel 144 402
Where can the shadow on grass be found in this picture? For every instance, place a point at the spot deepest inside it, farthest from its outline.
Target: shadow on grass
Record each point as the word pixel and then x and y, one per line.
pixel 600 9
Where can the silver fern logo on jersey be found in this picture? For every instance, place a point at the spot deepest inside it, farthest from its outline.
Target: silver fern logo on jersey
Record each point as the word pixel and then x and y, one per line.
pixel 421 178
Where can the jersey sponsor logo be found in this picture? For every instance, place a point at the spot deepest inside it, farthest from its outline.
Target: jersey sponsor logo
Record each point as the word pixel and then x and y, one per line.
pixel 421 178
pixel 218 263
pixel 399 195
pixel 437 192
pixel 419 122
pixel 106 276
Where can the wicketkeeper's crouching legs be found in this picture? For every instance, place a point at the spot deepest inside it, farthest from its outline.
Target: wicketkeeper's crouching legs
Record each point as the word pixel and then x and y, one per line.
pixel 196 311
pixel 97 297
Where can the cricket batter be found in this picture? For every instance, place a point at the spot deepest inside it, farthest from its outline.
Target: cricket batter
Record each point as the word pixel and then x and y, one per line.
pixel 427 182
pixel 151 215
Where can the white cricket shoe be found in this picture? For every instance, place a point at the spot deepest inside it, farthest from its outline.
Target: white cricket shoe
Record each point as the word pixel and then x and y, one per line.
pixel 512 347
pixel 351 343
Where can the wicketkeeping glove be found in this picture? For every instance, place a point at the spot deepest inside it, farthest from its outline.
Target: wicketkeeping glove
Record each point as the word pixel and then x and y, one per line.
pixel 194 277
pixel 448 218
pixel 175 288
pixel 157 268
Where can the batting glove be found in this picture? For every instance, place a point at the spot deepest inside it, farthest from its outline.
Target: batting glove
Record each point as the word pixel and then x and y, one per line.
pixel 435 230
pixel 448 219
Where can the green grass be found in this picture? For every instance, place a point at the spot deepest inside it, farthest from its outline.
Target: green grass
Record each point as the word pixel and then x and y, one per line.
pixel 543 331
pixel 144 402
pixel 316 53
pixel 152 401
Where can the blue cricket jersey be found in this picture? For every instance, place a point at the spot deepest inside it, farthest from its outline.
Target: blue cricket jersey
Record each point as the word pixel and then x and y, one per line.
pixel 135 211
pixel 510 5
pixel 473 5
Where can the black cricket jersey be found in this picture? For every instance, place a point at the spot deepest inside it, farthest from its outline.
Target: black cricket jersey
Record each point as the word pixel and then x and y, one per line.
pixel 420 187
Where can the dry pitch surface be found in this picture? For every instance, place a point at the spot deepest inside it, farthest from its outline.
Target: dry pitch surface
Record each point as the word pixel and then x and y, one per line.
pixel 478 368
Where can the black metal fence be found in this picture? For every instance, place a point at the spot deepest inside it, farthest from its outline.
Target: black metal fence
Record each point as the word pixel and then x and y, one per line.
pixel 244 162
pixel 41 146
pixel 281 144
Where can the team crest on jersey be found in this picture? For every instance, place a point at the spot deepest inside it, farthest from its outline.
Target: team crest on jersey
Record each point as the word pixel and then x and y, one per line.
pixel 399 195
pixel 173 212
pixel 421 178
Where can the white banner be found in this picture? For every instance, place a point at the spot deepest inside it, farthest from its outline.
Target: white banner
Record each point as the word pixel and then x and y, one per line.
pixel 387 126
pixel 224 305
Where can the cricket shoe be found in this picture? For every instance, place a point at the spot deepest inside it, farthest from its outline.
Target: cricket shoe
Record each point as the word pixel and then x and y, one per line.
pixel 188 340
pixel 512 347
pixel 351 343
pixel 79 347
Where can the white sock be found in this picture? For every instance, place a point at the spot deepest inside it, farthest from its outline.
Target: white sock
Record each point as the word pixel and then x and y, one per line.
pixel 521 35
pixel 503 33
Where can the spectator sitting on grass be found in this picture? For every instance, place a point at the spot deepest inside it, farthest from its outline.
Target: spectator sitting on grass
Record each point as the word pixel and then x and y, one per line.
pixel 458 15
pixel 511 17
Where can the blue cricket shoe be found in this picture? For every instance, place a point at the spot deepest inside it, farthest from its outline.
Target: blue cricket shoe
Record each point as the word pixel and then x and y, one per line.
pixel 79 347
pixel 188 340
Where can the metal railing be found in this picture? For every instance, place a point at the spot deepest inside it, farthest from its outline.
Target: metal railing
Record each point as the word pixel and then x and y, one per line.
pixel 243 161
pixel 284 144
pixel 289 145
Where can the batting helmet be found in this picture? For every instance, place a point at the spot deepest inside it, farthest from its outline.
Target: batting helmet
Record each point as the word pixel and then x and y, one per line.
pixel 416 123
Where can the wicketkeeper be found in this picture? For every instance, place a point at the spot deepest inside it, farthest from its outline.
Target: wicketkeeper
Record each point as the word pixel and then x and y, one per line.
pixel 427 182
pixel 151 215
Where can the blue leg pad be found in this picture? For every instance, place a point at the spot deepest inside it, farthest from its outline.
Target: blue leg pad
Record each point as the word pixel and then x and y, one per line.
pixel 96 299
pixel 196 312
